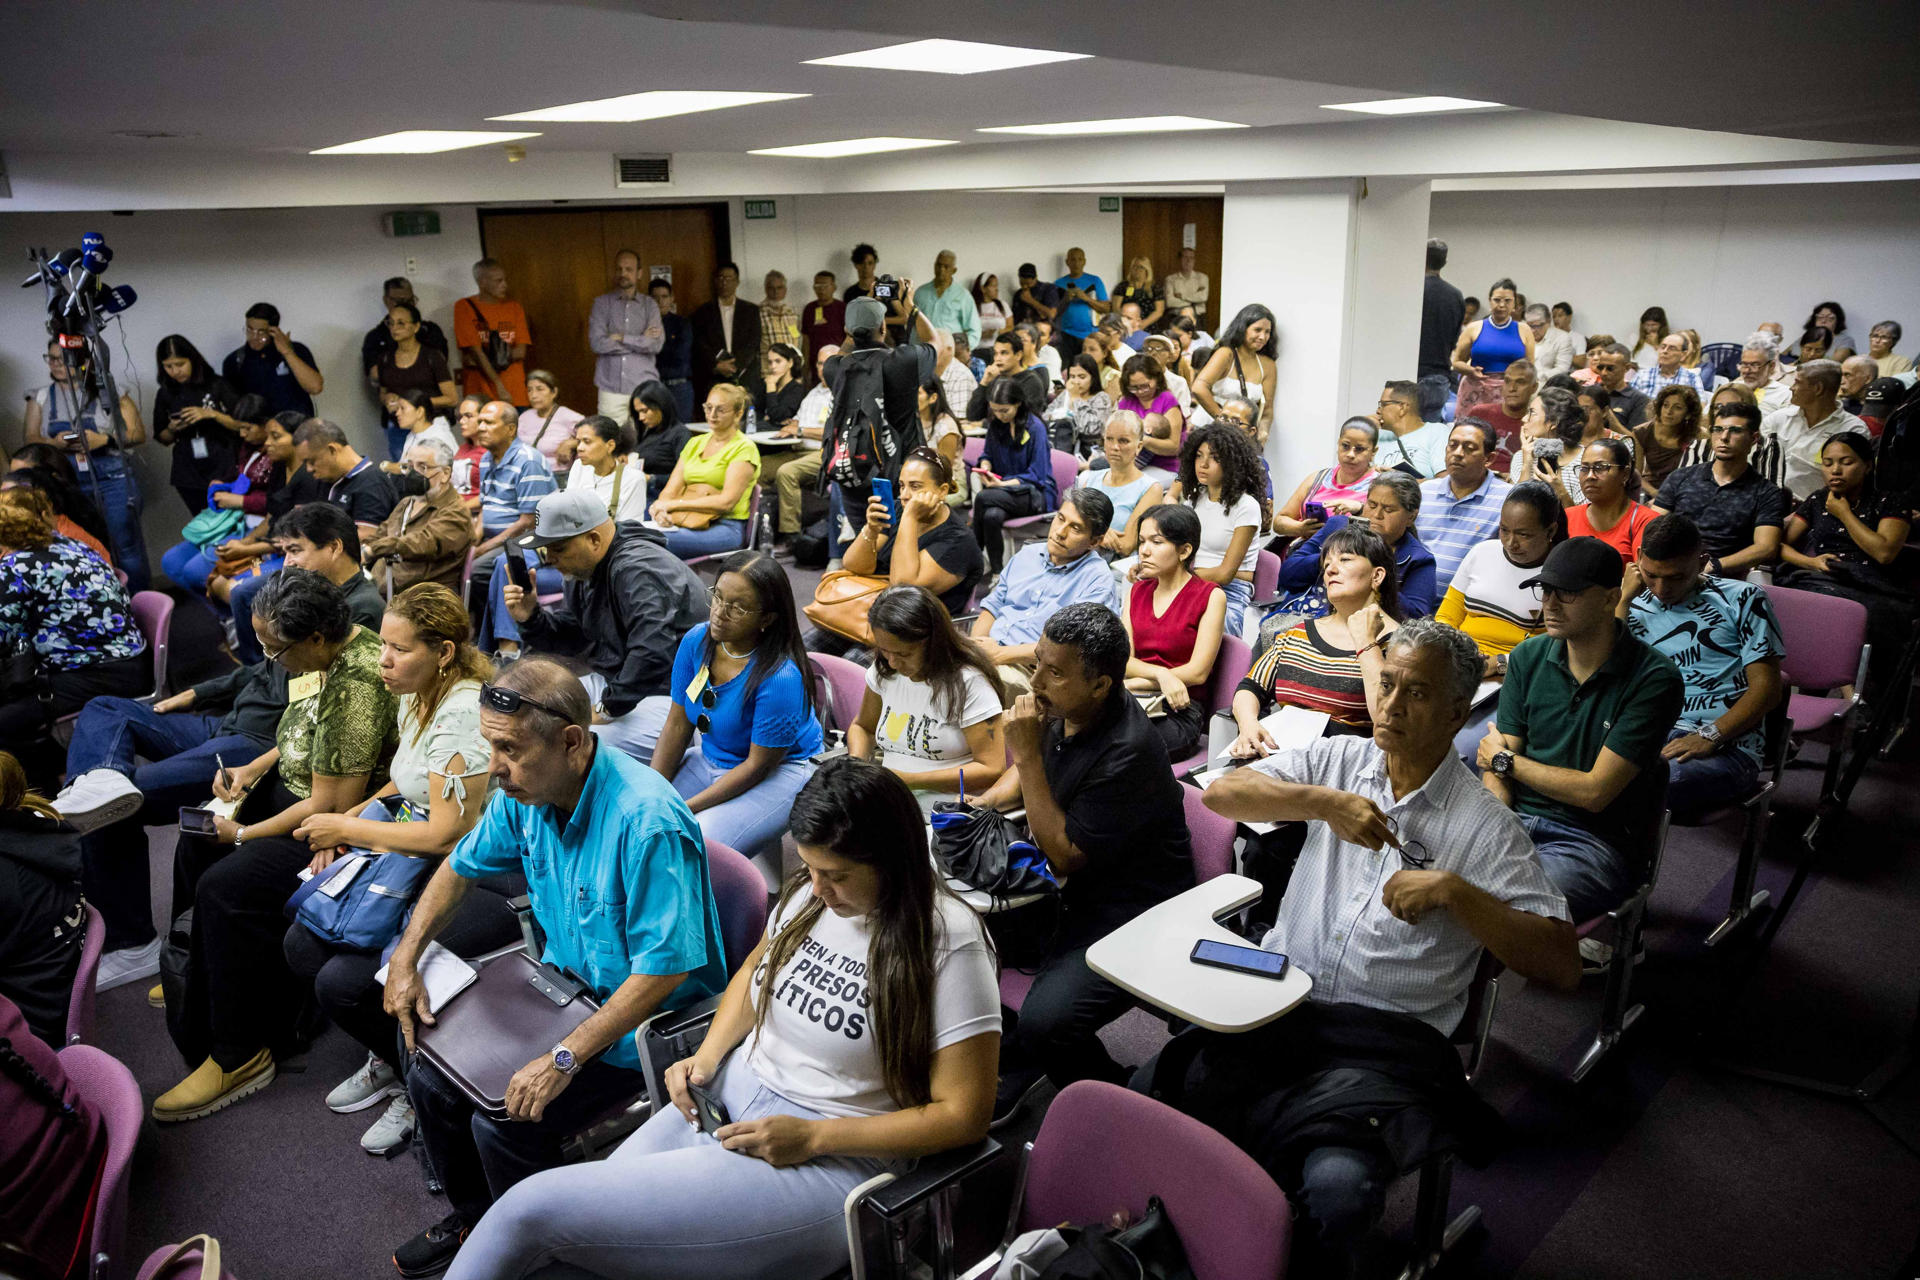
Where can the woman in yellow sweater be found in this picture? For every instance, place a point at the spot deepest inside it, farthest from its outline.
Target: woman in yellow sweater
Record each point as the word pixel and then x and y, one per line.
pixel 1485 598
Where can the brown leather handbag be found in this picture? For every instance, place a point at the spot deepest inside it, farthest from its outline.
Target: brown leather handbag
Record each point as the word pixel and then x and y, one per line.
pixel 696 519
pixel 841 601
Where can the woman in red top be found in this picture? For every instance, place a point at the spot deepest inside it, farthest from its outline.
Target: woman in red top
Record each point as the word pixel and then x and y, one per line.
pixel 1608 481
pixel 1175 620
pixel 466 463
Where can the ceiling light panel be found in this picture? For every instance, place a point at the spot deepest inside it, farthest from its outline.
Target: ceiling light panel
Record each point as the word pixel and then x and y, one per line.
pixel 851 147
pixel 1131 124
pixel 1411 106
pixel 654 105
pixel 947 57
pixel 421 142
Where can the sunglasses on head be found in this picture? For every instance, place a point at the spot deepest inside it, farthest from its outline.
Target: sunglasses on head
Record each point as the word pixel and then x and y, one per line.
pixel 509 701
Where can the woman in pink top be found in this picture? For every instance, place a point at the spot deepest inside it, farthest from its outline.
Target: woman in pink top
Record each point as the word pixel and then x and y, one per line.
pixel 1175 619
pixel 548 425
pixel 1339 490
pixel 1145 385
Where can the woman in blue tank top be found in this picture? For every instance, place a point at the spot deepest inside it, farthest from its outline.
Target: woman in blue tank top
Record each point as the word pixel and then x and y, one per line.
pixel 1488 345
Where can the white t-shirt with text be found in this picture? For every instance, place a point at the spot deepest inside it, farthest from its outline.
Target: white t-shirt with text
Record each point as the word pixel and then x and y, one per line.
pixel 914 735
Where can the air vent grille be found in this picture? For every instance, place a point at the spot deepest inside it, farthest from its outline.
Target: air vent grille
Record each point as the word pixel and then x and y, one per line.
pixel 642 171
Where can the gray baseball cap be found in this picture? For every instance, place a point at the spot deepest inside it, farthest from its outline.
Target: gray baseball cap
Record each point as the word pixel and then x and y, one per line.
pixel 864 315
pixel 566 514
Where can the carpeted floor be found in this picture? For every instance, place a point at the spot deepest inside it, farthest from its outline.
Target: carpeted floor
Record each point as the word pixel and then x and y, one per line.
pixel 1660 1164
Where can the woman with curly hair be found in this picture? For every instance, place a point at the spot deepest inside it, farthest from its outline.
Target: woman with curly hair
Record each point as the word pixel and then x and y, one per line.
pixel 1673 423
pixel 1220 478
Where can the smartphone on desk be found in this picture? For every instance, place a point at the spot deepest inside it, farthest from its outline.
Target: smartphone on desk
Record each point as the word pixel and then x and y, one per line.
pixel 883 490
pixel 517 572
pixel 197 822
pixel 712 1115
pixel 1224 955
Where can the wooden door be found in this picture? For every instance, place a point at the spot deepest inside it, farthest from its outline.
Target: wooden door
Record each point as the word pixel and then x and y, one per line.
pixel 559 260
pixel 1155 226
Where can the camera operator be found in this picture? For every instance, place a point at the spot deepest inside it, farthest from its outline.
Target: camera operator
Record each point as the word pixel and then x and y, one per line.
pixel 71 414
pixel 875 421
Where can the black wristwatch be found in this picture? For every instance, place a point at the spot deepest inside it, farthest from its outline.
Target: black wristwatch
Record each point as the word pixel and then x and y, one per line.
pixel 1501 764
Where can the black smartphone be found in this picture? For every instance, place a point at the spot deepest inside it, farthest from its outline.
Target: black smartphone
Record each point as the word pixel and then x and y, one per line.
pixel 518 573
pixel 1224 955
pixel 197 822
pixel 707 1107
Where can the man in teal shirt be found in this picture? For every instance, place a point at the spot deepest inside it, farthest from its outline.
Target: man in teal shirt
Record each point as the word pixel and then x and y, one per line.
pixel 1584 712
pixel 947 305
pixel 1085 294
pixel 617 876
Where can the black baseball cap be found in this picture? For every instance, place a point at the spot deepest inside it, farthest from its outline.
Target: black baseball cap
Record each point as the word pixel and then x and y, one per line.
pixel 1881 395
pixel 1579 563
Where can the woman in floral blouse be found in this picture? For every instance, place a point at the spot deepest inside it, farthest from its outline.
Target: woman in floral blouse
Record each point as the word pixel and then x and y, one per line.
pixel 331 752
pixel 66 632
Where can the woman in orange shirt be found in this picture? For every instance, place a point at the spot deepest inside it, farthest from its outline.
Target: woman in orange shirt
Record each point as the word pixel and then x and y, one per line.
pixel 1608 481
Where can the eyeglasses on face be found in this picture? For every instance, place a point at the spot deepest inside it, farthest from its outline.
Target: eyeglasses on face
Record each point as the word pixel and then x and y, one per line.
pixel 1594 468
pixel 722 605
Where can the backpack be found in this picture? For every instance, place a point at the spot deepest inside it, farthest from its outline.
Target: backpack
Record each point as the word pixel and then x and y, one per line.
pixel 860 441
pixel 1149 1249
pixel 1896 468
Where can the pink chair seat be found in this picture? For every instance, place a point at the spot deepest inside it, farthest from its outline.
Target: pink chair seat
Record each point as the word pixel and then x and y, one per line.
pixel 741 896
pixel 1812 712
pixel 846 681
pixel 1014 986
pixel 108 1086
pixel 80 1003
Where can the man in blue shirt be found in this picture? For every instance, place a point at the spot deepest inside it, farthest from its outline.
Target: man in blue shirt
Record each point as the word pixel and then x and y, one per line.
pixel 273 365
pixel 1723 636
pixel 1083 295
pixel 617 875
pixel 513 479
pixel 1042 579
pixel 1460 508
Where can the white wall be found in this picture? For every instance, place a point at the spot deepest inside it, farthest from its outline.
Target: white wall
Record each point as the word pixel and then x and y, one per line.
pixel 987 231
pixel 1719 259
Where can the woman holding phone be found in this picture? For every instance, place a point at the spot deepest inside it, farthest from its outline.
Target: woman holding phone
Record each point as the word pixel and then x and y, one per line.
pixel 818 1089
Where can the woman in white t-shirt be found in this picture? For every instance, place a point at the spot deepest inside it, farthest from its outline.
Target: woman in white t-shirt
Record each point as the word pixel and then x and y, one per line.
pixel 603 460
pixel 932 713
pixel 863 1031
pixel 1220 478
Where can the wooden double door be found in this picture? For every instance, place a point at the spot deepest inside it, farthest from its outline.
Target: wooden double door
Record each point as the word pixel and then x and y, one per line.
pixel 1156 227
pixel 559 260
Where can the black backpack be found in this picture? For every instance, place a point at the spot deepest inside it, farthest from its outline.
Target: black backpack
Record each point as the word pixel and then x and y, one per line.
pixel 1896 468
pixel 859 442
pixel 1149 1249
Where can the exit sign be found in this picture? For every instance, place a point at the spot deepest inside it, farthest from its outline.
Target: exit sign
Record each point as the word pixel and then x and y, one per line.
pixel 760 208
pixel 1109 204
pixel 416 222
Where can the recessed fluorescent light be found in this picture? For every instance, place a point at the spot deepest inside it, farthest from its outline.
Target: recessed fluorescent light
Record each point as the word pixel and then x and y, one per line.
pixel 420 142
pixel 947 57
pixel 1133 124
pixel 1409 106
pixel 850 147
pixel 652 105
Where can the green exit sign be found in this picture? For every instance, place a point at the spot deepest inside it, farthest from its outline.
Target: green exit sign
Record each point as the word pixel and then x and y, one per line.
pixel 760 208
pixel 415 222
pixel 1109 204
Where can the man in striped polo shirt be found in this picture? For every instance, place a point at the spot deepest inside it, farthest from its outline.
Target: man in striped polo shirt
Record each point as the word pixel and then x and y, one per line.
pixel 1461 506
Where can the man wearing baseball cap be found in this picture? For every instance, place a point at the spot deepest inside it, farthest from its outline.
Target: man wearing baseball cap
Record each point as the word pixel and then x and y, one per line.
pixel 625 604
pixel 1584 712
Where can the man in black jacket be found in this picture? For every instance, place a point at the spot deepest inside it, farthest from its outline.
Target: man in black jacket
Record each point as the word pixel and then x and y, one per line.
pixel 627 602
pixel 875 420
pixel 726 335
pixel 40 901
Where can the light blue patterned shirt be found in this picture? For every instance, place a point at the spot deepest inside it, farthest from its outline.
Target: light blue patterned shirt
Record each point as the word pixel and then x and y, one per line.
pixel 513 486
pixel 1034 588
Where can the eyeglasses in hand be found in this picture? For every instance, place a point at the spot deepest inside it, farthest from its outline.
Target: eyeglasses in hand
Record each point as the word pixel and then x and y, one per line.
pixel 1413 853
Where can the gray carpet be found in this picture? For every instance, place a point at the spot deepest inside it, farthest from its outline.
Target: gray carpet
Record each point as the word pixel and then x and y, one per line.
pixel 1661 1164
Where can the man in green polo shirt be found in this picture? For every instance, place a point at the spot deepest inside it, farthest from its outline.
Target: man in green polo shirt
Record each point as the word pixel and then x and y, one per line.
pixel 1584 711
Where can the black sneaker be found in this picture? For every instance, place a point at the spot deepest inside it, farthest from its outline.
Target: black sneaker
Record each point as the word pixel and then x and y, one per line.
pixel 431 1252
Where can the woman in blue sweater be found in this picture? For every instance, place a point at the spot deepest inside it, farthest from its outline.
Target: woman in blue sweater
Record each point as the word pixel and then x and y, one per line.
pixel 1016 473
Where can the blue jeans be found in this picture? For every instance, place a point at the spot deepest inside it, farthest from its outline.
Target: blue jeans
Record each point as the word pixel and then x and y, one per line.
pixel 673 1204
pixel 499 624
pixel 240 600
pixel 188 566
pixel 682 391
pixel 1696 788
pixel 181 746
pixel 750 823
pixel 717 538
pixel 1585 868
pixel 119 500
pixel 1239 596
pixel 396 441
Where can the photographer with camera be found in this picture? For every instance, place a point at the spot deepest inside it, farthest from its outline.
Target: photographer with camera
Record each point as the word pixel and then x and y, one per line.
pixel 875 421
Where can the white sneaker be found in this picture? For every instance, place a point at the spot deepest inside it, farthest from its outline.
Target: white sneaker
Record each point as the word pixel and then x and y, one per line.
pixel 392 1131
pixel 372 1082
pixel 98 798
pixel 129 964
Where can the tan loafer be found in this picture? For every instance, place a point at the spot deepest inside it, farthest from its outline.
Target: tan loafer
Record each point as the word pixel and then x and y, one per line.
pixel 209 1089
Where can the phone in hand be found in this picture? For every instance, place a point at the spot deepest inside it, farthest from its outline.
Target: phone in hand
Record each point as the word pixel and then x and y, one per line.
pixel 517 572
pixel 708 1108
pixel 197 822
pixel 883 490
pixel 1314 511
pixel 1224 955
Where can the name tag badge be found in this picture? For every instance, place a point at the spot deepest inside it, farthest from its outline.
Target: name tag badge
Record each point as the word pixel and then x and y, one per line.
pixel 283 371
pixel 300 688
pixel 695 685
pixel 198 447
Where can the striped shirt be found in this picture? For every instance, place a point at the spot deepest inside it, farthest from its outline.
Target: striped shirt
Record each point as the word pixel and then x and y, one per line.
pixel 1487 601
pixel 511 485
pixel 1649 382
pixel 1452 526
pixel 1302 669
pixel 1332 923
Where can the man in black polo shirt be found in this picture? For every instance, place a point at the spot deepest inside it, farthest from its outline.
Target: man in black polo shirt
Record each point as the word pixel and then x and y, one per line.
pixel 1105 808
pixel 1036 299
pixel 352 482
pixel 1629 404
pixel 1584 712
pixel 1740 513
pixel 272 365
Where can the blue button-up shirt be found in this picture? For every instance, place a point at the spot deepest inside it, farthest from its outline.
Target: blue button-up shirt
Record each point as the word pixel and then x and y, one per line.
pixel 1034 588
pixel 512 485
pixel 623 363
pixel 1452 526
pixel 950 312
pixel 620 887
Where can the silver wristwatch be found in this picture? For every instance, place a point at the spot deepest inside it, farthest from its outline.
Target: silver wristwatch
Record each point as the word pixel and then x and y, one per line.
pixel 1710 731
pixel 563 1060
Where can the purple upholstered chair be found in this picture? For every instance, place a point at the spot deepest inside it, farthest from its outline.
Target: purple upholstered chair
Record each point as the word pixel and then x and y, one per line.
pixel 1212 836
pixel 1826 643
pixel 1230 667
pixel 80 1003
pixel 107 1084
pixel 1103 1148
pixel 742 898
pixel 846 681
pixel 1066 470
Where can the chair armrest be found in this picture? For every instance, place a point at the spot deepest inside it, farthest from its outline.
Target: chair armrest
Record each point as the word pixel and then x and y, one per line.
pixel 932 1174
pixel 669 1036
